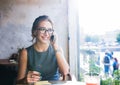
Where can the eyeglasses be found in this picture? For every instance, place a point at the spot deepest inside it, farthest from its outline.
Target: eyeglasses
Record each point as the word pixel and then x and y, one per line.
pixel 44 30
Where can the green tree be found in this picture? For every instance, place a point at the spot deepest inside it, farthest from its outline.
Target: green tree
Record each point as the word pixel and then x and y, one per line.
pixel 93 39
pixel 118 38
pixel 87 38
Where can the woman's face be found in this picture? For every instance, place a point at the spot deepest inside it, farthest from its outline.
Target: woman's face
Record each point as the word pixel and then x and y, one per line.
pixel 44 31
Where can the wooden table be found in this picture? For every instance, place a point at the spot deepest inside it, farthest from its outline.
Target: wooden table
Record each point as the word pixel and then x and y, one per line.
pixel 6 62
pixel 8 72
pixel 56 83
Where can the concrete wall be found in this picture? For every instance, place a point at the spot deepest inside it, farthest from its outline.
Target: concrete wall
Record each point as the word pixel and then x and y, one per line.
pixel 17 16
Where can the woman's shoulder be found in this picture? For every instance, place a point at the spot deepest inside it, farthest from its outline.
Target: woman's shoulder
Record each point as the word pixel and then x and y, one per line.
pixel 23 55
pixel 23 51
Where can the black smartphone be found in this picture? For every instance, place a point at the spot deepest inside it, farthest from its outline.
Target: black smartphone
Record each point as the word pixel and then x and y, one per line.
pixel 52 38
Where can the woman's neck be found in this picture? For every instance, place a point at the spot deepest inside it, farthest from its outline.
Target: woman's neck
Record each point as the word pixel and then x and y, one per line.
pixel 41 47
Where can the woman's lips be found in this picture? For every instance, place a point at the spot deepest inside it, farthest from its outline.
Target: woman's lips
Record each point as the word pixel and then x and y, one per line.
pixel 45 38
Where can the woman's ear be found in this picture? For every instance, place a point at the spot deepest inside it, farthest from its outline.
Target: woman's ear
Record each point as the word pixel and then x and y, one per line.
pixel 34 34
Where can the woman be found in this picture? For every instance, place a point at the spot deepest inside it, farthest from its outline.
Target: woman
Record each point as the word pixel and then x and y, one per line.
pixel 44 58
pixel 115 64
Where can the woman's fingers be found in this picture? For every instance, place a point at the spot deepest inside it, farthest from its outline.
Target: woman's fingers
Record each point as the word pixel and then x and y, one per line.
pixel 54 38
pixel 33 76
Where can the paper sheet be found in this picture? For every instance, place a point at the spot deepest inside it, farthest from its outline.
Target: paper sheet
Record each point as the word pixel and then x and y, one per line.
pixel 42 83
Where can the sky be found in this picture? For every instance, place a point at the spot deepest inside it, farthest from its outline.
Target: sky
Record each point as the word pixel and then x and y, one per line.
pixel 99 16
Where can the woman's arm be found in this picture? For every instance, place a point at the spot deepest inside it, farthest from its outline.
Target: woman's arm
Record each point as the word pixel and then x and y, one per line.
pixel 22 65
pixel 62 63
pixel 23 77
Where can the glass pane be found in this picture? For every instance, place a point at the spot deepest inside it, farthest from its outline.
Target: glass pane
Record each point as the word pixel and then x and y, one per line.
pixel 99 22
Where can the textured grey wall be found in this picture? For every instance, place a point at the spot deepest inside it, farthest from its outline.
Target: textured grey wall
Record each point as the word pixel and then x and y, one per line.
pixel 17 16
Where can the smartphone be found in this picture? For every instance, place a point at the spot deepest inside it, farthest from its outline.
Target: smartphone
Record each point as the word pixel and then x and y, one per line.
pixel 52 38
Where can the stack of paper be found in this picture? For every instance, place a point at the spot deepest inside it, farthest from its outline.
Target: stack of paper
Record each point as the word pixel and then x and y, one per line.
pixel 42 83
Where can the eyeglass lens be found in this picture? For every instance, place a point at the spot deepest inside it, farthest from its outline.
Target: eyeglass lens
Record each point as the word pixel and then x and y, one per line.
pixel 43 30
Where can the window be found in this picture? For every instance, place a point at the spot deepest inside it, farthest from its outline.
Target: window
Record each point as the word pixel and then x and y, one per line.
pixel 99 23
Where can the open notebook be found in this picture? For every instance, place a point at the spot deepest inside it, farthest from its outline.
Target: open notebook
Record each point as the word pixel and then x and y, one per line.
pixel 42 83
pixel 50 83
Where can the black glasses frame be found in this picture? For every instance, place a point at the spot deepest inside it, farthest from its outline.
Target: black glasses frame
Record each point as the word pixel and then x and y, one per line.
pixel 44 30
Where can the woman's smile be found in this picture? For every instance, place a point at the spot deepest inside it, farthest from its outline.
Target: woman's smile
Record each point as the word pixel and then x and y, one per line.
pixel 45 38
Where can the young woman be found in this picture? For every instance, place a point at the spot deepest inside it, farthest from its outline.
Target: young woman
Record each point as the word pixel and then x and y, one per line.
pixel 115 64
pixel 44 58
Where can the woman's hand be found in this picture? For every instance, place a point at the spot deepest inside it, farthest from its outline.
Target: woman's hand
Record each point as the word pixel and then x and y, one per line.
pixel 53 39
pixel 33 76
